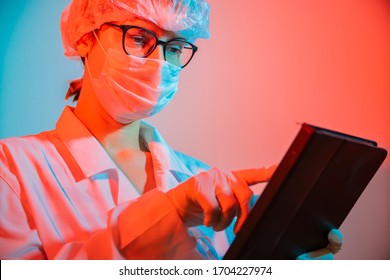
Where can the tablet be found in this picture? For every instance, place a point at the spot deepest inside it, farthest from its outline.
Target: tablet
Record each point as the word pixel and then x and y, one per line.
pixel 312 191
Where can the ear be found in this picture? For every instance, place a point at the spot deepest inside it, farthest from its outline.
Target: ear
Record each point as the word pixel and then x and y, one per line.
pixel 85 44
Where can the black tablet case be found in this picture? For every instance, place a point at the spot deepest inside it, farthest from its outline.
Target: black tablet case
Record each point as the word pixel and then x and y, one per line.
pixel 312 191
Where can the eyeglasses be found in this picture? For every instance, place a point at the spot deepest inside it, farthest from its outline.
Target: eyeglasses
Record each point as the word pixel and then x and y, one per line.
pixel 141 42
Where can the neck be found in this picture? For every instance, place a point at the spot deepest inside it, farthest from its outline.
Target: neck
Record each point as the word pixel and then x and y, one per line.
pixel 112 135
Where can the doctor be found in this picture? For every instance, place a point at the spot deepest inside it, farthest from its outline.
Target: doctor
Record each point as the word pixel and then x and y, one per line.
pixel 104 184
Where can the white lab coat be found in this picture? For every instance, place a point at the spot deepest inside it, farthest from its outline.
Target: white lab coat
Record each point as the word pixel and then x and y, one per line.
pixel 62 197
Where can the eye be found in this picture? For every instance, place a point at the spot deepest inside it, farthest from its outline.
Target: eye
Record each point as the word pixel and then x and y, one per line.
pixel 137 40
pixel 174 50
pixel 175 47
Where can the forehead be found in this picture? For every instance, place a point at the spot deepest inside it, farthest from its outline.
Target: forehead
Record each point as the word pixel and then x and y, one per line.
pixel 160 32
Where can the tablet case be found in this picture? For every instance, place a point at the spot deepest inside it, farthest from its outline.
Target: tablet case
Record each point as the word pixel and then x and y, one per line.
pixel 312 191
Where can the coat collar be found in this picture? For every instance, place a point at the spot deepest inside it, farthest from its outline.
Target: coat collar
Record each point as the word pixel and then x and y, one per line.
pixel 88 158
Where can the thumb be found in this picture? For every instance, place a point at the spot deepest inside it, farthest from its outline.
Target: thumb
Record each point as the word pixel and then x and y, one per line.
pixel 256 175
pixel 336 240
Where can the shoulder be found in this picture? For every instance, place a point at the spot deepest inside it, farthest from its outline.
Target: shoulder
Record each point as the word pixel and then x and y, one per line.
pixel 20 157
pixel 21 148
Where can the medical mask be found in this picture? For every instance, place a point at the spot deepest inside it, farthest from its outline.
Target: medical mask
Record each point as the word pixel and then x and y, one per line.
pixel 130 88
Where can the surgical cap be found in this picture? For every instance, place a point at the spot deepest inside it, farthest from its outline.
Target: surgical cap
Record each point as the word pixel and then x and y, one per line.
pixel 190 18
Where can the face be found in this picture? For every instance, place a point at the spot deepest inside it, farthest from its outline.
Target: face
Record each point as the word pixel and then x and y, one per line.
pixel 126 96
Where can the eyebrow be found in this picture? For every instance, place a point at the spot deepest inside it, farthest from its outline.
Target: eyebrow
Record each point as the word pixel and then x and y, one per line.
pixel 153 27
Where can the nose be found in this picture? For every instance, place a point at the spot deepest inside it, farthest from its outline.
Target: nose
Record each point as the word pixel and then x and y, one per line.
pixel 158 53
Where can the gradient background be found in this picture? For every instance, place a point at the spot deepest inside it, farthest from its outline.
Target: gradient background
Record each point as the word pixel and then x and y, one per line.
pixel 268 66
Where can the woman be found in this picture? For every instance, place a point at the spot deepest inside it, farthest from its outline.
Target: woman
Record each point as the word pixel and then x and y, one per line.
pixel 104 184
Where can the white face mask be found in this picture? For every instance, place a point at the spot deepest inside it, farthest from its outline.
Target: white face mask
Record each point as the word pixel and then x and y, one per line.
pixel 130 88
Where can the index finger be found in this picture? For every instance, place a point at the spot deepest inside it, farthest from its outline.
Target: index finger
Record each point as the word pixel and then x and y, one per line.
pixel 256 175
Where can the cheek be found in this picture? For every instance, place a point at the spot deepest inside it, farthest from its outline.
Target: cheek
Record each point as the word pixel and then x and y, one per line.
pixel 94 62
pixel 97 54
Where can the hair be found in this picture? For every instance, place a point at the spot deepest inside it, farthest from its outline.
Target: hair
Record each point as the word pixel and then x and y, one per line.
pixel 74 89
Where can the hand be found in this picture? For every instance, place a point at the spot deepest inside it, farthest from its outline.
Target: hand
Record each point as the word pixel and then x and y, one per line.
pixel 335 238
pixel 214 198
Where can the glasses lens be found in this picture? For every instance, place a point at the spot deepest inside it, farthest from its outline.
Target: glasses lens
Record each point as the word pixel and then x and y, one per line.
pixel 139 42
pixel 178 52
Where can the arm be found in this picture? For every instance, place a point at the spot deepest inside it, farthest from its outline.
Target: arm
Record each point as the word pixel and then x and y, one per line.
pixel 156 225
pixel 18 236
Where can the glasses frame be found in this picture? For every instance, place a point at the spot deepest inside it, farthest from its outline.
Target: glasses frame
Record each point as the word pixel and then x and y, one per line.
pixel 125 28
